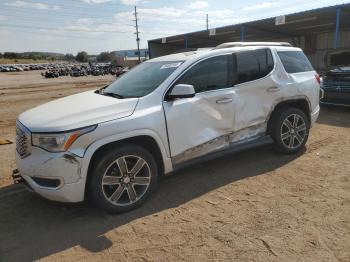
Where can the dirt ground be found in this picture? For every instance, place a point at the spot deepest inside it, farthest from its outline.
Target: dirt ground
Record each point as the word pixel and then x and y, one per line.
pixel 255 205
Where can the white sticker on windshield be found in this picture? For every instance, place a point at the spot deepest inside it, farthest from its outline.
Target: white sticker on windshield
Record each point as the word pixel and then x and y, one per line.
pixel 172 65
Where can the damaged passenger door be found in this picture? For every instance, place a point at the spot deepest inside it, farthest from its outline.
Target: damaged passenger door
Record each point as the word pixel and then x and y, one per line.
pixel 255 91
pixel 198 125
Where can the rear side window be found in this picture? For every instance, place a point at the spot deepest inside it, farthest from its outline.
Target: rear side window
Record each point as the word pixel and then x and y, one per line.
pixel 210 74
pixel 265 61
pixel 295 61
pixel 252 65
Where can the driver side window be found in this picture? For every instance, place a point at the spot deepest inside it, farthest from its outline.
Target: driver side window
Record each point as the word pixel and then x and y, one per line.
pixel 207 75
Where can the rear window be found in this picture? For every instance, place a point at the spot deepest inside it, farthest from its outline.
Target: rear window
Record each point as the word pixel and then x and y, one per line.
pixel 252 65
pixel 295 61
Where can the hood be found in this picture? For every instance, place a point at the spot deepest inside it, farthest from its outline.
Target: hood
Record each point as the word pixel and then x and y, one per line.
pixel 76 111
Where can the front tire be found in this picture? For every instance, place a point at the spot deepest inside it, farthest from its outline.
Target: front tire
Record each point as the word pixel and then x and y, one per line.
pixel 290 130
pixel 123 179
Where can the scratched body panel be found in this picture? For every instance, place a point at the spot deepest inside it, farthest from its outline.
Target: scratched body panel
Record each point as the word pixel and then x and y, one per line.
pixel 199 126
pixel 195 121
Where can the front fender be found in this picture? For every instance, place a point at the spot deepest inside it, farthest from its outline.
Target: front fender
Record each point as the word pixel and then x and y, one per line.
pixel 168 167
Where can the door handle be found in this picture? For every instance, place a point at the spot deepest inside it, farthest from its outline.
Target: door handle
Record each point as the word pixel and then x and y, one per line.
pixel 273 89
pixel 224 100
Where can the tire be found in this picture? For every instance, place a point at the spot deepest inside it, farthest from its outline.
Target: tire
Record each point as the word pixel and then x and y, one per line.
pixel 123 179
pixel 290 130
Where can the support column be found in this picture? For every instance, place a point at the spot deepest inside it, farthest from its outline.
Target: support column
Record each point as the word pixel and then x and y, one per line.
pixel 242 33
pixel 337 26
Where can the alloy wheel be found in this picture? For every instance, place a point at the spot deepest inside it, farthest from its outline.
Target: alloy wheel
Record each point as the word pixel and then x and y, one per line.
pixel 126 180
pixel 293 131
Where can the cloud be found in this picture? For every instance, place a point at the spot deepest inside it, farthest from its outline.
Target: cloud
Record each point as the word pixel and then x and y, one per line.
pixel 86 25
pixel 96 1
pixel 167 21
pixel 85 21
pixel 24 4
pixel 264 5
pixel 198 5
pixel 28 5
pixel 180 18
pixel 130 2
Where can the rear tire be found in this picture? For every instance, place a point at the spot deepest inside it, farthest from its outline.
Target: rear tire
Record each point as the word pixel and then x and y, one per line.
pixel 123 179
pixel 290 130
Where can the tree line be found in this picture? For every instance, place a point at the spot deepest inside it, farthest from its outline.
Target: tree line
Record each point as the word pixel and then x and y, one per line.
pixel 102 57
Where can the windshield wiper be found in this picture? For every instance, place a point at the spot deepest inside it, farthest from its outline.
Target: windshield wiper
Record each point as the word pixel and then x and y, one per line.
pixel 100 91
pixel 112 95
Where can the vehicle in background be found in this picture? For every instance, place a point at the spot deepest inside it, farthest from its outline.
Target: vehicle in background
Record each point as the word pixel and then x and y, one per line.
pixel 76 72
pixel 336 86
pixel 112 144
pixel 51 74
pixel 64 69
pixel 122 71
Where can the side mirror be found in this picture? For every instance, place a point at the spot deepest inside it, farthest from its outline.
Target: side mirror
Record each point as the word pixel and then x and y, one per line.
pixel 181 91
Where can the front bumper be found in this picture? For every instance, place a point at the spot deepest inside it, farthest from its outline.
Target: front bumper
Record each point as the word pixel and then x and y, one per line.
pixel 41 168
pixel 336 96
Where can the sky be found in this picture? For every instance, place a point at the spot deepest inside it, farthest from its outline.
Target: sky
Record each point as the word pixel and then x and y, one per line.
pixel 69 26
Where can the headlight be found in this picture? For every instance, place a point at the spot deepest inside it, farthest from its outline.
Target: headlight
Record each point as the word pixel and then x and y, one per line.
pixel 59 142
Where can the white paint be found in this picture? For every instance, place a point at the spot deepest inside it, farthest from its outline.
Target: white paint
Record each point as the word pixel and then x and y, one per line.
pixel 194 121
pixel 76 111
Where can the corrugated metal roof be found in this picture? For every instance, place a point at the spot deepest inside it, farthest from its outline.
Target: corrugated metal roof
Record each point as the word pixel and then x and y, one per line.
pixel 296 24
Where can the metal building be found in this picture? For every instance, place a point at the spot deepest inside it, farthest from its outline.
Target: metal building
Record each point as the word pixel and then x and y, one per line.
pixel 323 34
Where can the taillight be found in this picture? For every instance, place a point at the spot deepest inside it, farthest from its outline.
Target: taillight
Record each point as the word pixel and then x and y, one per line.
pixel 318 78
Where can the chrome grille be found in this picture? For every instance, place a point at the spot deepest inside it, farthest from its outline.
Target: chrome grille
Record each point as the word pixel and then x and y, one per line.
pixel 23 143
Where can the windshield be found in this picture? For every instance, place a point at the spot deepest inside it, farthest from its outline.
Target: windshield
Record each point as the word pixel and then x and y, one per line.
pixel 143 79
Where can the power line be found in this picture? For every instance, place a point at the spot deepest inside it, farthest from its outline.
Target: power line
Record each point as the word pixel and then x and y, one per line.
pixel 34 13
pixel 60 7
pixel 31 32
pixel 53 13
pixel 137 35
pixel 61 19
pixel 59 29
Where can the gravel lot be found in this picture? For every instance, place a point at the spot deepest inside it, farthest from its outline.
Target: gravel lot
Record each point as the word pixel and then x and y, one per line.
pixel 254 205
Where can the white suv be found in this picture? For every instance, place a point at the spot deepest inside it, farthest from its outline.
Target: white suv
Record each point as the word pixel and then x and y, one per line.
pixel 111 145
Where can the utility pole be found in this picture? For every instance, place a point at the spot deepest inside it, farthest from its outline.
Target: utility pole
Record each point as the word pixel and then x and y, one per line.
pixel 137 35
pixel 207 22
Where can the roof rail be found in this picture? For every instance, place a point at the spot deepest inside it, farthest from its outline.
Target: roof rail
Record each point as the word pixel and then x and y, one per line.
pixel 240 44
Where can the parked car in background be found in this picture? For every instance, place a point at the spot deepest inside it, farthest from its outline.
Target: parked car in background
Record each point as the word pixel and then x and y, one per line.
pixel 122 71
pixel 336 86
pixel 112 144
pixel 51 74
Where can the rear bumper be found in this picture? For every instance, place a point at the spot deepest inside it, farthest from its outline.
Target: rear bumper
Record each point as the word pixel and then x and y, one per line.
pixel 314 115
